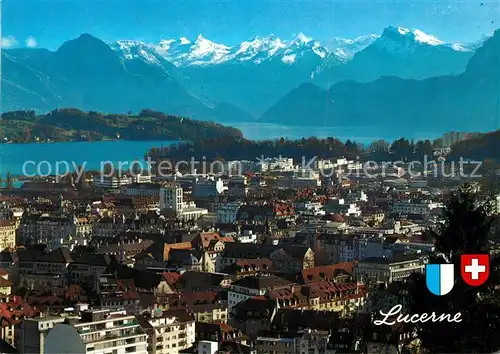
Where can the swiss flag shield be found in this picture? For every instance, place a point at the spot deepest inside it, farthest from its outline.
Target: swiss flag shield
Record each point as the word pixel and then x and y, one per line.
pixel 475 268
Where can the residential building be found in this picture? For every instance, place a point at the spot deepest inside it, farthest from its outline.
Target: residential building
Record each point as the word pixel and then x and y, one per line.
pixel 98 331
pixel 171 197
pixel 209 187
pixel 7 235
pixel 168 331
pixel 226 213
pixel 142 189
pixel 13 309
pixel 414 207
pixel 31 333
pixel 110 182
pixel 248 287
pixel 387 270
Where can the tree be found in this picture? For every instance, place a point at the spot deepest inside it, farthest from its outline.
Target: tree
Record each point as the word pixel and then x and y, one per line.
pixel 9 181
pixel 379 146
pixel 402 148
pixel 466 230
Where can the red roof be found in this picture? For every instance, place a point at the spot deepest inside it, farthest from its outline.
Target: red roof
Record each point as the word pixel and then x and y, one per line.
pixel 171 277
pixel 326 272
pixel 14 310
pixel 334 218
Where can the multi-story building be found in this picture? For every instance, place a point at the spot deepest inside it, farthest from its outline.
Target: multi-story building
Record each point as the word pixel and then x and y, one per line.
pixel 237 186
pixel 209 187
pixel 168 331
pixel 171 197
pixel 110 182
pixel 108 227
pixel 98 332
pixel 226 213
pixel 339 206
pixel 414 207
pixel 142 189
pixel 31 333
pixel 344 298
pixel 83 227
pixel 46 270
pixel 251 286
pixel 14 309
pixel 387 270
pixel 277 163
pixel 7 235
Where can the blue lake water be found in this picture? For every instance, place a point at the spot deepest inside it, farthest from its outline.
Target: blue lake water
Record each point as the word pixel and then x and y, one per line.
pixel 14 156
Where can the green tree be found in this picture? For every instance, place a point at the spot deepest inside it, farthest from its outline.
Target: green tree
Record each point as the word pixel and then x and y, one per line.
pixel 9 181
pixel 466 230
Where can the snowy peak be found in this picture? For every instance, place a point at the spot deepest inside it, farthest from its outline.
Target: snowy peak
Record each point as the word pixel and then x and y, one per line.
pixel 205 51
pixel 302 38
pixel 202 51
pixel 344 49
pixel 131 49
pixel 258 49
pixel 301 48
pixel 184 52
pixel 416 35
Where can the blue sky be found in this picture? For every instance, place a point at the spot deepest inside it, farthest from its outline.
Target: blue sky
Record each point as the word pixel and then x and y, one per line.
pixel 47 23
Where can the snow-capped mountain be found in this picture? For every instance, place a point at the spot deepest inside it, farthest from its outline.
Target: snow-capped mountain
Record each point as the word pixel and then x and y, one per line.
pixel 409 54
pixel 183 52
pixel 468 101
pixel 201 77
pixel 404 41
pixel 137 50
pixel 346 48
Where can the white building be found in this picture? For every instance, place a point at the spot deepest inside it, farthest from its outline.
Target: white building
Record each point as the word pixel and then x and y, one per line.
pixel 104 332
pixel 168 331
pixel 247 236
pixel 387 270
pixel 140 178
pixel 414 207
pixel 339 206
pixel 208 347
pixel 275 164
pixel 171 197
pixel 107 182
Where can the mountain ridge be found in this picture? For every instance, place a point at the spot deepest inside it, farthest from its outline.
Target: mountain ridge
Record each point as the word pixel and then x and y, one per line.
pixel 461 102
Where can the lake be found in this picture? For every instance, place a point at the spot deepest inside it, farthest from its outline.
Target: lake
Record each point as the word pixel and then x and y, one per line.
pixel 14 156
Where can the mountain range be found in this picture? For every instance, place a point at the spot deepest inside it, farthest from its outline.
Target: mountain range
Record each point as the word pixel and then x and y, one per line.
pixel 255 79
pixel 469 101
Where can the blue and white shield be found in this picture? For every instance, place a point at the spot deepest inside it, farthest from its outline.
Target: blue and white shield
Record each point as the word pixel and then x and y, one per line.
pixel 440 278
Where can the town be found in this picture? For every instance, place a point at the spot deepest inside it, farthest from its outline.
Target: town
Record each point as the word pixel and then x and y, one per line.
pixel 277 258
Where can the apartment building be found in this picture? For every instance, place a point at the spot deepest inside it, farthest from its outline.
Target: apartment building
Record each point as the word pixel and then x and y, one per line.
pixel 226 213
pixel 387 270
pixel 7 235
pixel 171 197
pixel 110 182
pixel 168 331
pixel 31 333
pixel 98 331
